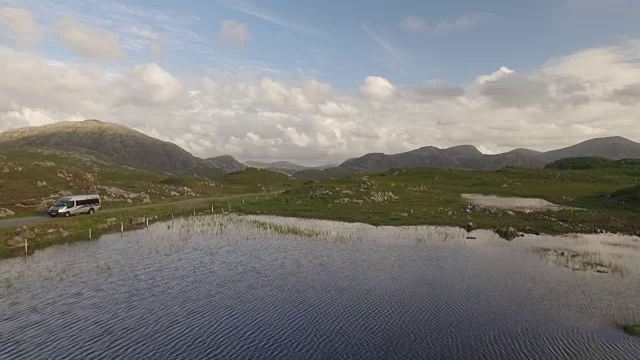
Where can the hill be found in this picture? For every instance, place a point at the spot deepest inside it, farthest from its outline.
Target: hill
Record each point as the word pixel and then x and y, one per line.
pixel 613 148
pixel 468 157
pixel 116 144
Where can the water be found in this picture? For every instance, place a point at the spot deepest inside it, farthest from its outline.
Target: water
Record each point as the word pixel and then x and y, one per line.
pixel 261 287
pixel 513 203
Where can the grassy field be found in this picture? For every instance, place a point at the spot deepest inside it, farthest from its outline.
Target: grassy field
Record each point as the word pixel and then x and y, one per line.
pixel 433 196
pixel 609 197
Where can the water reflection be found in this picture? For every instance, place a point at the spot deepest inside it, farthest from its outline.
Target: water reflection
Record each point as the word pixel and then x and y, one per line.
pixel 266 287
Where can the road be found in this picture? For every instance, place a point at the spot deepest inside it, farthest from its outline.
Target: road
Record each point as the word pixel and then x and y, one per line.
pixel 35 220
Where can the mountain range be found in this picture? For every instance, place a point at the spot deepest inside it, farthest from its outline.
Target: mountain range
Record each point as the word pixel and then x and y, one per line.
pixel 469 157
pixel 285 167
pixel 121 145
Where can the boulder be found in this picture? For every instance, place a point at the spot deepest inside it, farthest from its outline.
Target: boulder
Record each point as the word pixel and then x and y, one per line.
pixel 146 201
pixel 139 220
pixel 507 233
pixel 470 227
pixel 15 242
pixel 4 212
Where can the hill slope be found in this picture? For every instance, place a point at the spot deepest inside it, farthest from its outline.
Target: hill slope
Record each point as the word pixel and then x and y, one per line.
pixel 117 144
pixel 613 148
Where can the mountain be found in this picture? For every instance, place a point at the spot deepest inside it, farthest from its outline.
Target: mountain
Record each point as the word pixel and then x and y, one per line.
pixel 117 144
pixel 285 167
pixel 469 157
pixel 613 148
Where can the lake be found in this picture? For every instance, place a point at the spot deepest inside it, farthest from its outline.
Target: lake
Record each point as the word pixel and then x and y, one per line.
pixel 220 287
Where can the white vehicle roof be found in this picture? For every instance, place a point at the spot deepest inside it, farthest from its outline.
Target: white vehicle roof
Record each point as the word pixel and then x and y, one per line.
pixel 79 197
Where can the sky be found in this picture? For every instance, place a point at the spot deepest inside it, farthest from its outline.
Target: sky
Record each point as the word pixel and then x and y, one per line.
pixel 319 82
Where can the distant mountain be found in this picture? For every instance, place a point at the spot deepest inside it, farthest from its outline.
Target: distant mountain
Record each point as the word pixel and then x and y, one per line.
pixel 613 148
pixel 117 144
pixel 469 157
pixel 285 167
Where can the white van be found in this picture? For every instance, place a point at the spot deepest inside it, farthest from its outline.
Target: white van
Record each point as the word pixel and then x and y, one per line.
pixel 74 205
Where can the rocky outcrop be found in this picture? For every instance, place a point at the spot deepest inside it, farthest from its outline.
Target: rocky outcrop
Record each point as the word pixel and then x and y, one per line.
pixel 20 237
pixel 4 212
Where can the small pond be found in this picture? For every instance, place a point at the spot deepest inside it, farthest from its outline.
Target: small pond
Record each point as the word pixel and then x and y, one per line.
pixel 221 287
pixel 512 203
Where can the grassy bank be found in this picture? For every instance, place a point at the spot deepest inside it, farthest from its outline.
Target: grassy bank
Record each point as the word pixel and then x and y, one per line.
pixel 77 228
pixel 633 330
pixel 608 199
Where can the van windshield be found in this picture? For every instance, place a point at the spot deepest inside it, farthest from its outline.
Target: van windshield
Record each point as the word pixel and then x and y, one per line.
pixel 66 203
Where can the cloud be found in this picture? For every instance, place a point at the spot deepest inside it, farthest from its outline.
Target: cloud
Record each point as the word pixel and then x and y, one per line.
pixel 377 88
pixel 385 44
pixel 156 46
pixel 21 22
pixel 568 99
pixel 413 23
pixel 464 21
pixel 438 90
pixel 90 42
pixel 254 10
pixel 234 33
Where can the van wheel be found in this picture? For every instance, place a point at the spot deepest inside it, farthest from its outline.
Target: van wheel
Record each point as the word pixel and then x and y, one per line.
pixel 91 211
pixel 67 214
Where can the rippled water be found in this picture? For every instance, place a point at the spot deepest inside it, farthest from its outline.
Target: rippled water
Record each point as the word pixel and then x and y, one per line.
pixel 262 287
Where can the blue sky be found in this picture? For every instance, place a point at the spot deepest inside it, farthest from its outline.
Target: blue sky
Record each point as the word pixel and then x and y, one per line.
pixel 319 82
pixel 336 40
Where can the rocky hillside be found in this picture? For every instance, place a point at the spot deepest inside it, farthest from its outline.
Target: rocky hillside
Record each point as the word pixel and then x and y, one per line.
pixel 117 144
pixel 468 157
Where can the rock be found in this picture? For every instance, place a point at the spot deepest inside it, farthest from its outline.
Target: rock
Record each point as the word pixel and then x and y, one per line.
pixel 62 232
pixel 507 233
pixel 15 241
pixel 129 201
pixel 470 227
pixel 4 212
pixel 530 230
pixel 510 213
pixel 41 183
pixel 140 220
pixel 146 201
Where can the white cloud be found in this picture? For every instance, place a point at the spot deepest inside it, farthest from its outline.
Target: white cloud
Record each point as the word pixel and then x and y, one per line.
pixel 413 23
pixel 392 51
pixel 90 42
pixel 157 85
pixel 254 10
pixel 234 33
pixel 21 22
pixel 464 21
pixel 377 88
pixel 156 46
pixel 251 116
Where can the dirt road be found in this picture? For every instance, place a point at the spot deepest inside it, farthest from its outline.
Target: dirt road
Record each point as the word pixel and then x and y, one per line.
pixel 35 220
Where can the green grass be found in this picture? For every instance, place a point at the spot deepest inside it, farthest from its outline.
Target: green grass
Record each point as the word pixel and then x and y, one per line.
pixel 397 197
pixel 633 330
pixel 433 196
pixel 78 226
